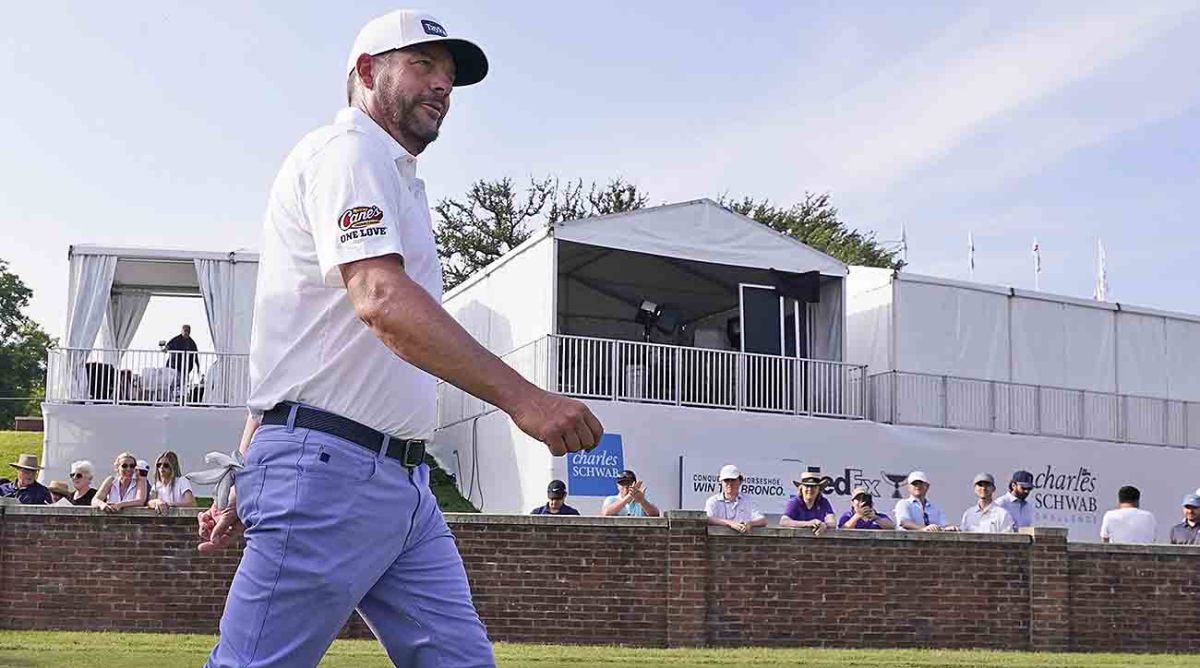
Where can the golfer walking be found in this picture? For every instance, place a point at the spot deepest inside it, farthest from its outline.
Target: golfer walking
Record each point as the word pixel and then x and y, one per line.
pixel 348 336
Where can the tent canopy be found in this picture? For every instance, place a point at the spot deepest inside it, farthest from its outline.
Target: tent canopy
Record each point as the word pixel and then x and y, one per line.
pixel 700 230
pixel 111 286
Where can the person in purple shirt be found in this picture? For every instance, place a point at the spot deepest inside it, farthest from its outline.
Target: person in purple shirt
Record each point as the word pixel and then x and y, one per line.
pixel 862 513
pixel 809 509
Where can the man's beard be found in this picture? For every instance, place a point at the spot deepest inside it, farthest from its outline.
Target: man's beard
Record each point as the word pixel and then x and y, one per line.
pixel 404 116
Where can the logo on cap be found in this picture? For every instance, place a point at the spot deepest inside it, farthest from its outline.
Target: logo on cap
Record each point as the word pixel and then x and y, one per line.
pixel 433 28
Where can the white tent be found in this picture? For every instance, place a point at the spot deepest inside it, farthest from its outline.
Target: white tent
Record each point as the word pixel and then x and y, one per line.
pixel 110 289
pixel 588 277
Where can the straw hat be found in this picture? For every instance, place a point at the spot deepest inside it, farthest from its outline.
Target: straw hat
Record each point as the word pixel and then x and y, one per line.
pixel 813 478
pixel 60 488
pixel 27 462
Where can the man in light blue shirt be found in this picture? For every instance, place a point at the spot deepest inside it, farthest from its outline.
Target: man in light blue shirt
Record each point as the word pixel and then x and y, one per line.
pixel 630 499
pixel 1016 502
pixel 917 512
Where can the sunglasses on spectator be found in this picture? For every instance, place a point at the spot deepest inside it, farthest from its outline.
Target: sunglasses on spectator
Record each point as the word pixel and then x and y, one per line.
pixel 129 466
pixel 76 476
pixel 164 465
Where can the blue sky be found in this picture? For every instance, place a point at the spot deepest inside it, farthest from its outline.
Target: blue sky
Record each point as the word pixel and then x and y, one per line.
pixel 162 124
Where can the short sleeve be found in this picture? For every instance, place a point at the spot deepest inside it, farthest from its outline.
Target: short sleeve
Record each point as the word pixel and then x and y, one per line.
pixel 352 203
pixel 710 506
pixel 791 508
pixel 755 513
pixel 182 486
pixel 900 513
pixel 1105 530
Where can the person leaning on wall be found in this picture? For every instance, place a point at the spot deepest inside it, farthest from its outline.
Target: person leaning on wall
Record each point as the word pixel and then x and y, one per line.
pixel 124 489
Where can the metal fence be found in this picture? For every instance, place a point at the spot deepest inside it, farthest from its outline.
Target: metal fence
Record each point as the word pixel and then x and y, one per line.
pixel 633 371
pixel 146 377
pixel 899 397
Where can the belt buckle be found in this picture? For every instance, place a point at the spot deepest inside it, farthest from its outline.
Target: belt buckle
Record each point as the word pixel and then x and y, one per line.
pixel 414 454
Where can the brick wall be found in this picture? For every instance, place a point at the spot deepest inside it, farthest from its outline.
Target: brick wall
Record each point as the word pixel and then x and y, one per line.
pixel 654 582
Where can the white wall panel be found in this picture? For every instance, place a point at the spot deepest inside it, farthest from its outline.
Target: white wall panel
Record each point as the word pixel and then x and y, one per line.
pixel 950 330
pixel 1141 354
pixel 1183 360
pixel 513 305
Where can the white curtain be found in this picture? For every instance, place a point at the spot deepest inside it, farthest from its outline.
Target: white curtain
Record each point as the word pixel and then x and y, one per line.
pixel 90 284
pixel 125 311
pixel 217 287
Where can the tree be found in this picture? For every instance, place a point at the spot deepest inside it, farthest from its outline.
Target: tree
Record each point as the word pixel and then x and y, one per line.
pixel 814 221
pixel 23 347
pixel 493 217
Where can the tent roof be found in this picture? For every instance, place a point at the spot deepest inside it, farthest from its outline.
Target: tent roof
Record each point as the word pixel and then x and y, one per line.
pixel 159 270
pixel 700 230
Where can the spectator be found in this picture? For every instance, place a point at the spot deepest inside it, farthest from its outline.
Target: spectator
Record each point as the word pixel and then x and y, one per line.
pixel 170 487
pixel 862 513
pixel 1187 532
pixel 1128 523
pixel 26 489
pixel 143 471
pixel 556 497
pixel 81 479
pixel 1016 502
pixel 181 352
pixel 123 490
pixel 808 508
pixel 730 508
pixel 917 512
pixel 630 499
pixel 985 516
pixel 59 491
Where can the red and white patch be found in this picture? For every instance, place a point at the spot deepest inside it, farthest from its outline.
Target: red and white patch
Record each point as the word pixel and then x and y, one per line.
pixel 359 217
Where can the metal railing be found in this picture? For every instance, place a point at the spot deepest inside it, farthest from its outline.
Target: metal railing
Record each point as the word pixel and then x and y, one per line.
pixel 901 397
pixel 146 377
pixel 633 371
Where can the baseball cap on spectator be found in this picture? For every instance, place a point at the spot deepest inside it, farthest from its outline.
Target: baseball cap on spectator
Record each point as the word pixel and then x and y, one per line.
pixel 143 465
pixel 626 476
pixel 409 27
pixel 1024 479
pixel 917 476
pixel 984 477
pixel 557 489
pixel 860 491
pixel 729 472
pixel 1192 500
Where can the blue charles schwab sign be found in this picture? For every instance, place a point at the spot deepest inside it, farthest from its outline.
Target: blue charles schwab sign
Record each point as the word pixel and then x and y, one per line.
pixel 594 473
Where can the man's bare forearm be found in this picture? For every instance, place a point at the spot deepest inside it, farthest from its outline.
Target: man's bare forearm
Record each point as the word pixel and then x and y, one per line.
pixel 414 326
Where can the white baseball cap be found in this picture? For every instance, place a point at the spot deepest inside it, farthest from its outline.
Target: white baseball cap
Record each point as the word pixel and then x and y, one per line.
pixel 917 476
pixel 729 472
pixel 143 465
pixel 406 27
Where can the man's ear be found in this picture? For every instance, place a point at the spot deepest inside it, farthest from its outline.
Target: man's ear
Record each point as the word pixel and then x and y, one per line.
pixel 364 67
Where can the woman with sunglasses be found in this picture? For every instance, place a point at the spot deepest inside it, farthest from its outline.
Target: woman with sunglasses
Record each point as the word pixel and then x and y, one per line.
pixel 170 487
pixel 124 490
pixel 81 481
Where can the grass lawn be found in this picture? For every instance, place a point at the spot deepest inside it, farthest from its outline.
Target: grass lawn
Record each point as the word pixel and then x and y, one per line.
pixel 117 650
pixel 13 443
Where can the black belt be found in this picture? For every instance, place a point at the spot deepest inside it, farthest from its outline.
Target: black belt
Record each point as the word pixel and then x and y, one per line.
pixel 410 453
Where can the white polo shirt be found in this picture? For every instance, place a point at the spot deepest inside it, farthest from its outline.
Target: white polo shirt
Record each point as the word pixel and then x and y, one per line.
pixel 1128 525
pixel 992 519
pixel 347 192
pixel 741 509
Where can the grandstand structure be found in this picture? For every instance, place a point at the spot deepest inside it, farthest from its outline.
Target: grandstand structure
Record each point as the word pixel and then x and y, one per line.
pixel 700 337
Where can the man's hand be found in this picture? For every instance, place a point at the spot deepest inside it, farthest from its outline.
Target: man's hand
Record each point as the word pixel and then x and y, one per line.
pixel 818 527
pixel 932 527
pixel 740 527
pixel 638 491
pixel 563 424
pixel 218 528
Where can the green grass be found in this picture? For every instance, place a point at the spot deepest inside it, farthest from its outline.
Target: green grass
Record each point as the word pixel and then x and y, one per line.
pixel 13 443
pixel 40 649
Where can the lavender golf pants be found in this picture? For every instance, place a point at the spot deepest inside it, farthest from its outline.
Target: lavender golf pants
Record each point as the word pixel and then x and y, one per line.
pixel 330 527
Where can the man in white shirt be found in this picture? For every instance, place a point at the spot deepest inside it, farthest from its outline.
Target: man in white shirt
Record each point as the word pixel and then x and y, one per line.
pixel 985 516
pixel 917 512
pixel 730 508
pixel 348 337
pixel 1016 502
pixel 1128 523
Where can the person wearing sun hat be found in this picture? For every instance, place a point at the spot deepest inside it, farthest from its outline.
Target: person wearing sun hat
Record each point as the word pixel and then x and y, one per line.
pixel 26 489
pixel 808 508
